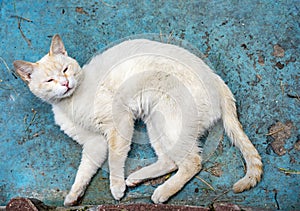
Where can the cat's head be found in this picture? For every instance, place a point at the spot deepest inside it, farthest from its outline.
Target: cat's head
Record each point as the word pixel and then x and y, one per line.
pixel 53 77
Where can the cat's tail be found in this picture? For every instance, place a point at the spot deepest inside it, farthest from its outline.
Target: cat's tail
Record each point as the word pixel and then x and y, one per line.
pixel 234 130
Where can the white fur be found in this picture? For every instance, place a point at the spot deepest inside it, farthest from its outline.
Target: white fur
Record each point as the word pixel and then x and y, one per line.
pixel 176 94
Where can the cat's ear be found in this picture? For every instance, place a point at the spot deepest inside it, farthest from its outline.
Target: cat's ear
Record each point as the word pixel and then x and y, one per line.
pixel 24 70
pixel 57 46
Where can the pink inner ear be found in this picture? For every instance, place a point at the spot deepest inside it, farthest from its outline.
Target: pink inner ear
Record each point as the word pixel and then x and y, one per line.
pixel 24 69
pixel 57 46
pixel 57 50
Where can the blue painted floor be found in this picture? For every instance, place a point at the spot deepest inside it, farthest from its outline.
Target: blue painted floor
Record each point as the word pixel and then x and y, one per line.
pixel 253 45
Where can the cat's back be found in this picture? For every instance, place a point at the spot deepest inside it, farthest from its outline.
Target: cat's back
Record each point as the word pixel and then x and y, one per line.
pixel 137 48
pixel 149 62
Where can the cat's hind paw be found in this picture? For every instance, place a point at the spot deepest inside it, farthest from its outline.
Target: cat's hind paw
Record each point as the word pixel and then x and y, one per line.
pixel 131 182
pixel 160 195
pixel 247 182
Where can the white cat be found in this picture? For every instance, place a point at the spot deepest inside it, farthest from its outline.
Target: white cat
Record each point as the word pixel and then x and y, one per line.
pixel 174 92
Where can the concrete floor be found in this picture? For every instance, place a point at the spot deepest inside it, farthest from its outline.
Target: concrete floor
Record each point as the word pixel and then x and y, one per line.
pixel 253 45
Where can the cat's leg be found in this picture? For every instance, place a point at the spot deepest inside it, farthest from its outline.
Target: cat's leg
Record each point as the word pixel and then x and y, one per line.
pixel 187 169
pixel 93 155
pixel 118 148
pixel 162 166
pixel 178 141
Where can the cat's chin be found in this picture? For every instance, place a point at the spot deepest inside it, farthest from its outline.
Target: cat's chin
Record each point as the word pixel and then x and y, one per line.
pixel 68 93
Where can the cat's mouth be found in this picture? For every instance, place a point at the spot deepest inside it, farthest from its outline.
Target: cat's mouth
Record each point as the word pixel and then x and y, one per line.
pixel 68 90
pixel 67 93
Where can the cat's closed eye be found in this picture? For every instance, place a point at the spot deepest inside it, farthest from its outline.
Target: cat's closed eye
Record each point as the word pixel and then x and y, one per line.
pixel 66 69
pixel 50 80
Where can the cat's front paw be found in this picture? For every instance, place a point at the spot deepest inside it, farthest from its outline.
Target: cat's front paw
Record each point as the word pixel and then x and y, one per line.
pixel 117 189
pixel 72 199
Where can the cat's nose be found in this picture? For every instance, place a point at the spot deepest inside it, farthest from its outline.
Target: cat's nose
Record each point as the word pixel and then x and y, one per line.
pixel 65 83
